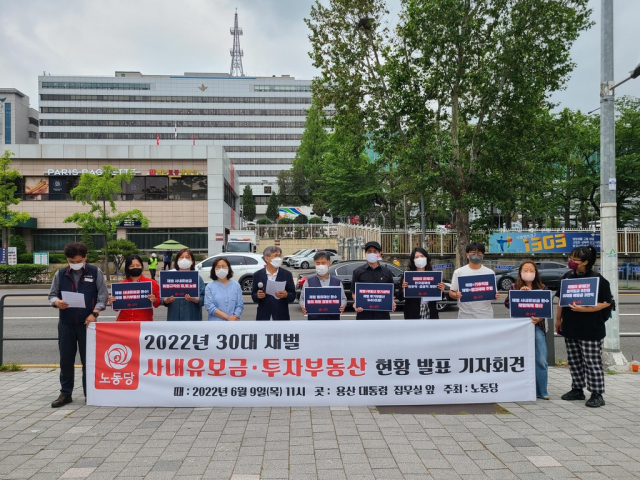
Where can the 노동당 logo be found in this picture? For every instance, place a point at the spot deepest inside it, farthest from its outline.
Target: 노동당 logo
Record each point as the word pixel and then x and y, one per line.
pixel 117 356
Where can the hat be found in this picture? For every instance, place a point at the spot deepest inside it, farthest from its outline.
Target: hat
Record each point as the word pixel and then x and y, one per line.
pixel 375 245
pixel 153 255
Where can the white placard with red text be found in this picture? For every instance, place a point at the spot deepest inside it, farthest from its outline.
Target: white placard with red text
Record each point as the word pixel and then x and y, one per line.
pixel 270 364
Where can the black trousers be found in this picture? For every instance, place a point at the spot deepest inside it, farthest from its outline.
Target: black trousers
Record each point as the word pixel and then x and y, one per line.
pixel 70 339
pixel 166 266
pixel 152 273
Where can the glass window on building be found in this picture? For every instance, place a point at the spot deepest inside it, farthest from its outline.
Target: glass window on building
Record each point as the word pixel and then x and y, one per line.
pixel 134 190
pixel 199 188
pixel 7 123
pixel 157 188
pixel 194 238
pixel 180 188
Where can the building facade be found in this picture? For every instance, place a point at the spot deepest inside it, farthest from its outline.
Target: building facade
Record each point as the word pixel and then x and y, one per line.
pixel 187 192
pixel 258 120
pixel 18 121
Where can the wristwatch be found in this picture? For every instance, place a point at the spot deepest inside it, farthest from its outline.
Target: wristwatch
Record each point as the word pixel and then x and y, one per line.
pixel 95 314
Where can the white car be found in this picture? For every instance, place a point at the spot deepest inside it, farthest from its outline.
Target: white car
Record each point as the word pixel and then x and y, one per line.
pixel 286 258
pixel 244 265
pixel 306 260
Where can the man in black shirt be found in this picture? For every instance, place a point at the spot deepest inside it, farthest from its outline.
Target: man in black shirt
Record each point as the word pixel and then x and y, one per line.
pixel 371 272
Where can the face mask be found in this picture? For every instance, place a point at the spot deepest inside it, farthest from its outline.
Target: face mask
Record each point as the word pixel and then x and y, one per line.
pixel 420 262
pixel 76 266
pixel 222 273
pixel 573 265
pixel 528 277
pixel 475 258
pixel 322 270
pixel 184 263
pixel 276 262
pixel 135 272
pixel 372 257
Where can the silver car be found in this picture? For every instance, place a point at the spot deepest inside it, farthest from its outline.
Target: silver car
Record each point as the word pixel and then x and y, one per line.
pixel 304 261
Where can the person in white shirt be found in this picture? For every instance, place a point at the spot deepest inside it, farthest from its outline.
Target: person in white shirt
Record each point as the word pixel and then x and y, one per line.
pixel 475 254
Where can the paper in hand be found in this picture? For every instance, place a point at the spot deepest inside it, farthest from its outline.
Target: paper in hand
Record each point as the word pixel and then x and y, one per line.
pixel 74 300
pixel 273 287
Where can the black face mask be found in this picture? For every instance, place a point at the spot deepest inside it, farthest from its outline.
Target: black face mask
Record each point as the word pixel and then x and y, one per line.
pixel 135 272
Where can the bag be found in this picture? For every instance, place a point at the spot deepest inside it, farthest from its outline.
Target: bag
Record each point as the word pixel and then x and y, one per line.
pixel 606 312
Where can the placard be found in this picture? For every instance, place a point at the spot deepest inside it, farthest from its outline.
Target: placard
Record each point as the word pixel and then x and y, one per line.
pixel 290 364
pixel 542 242
pixel 581 291
pixel 131 295
pixel 178 284
pixel 12 255
pixel 41 258
pixel 423 285
pixel 376 297
pixel 477 288
pixel 530 303
pixel 323 300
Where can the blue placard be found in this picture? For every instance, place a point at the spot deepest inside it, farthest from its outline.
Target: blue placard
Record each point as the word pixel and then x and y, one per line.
pixel 541 242
pixel 423 285
pixel 477 288
pixel 530 303
pixel 581 291
pixel 323 300
pixel 504 267
pixel 3 255
pixel 376 297
pixel 442 266
pixel 131 295
pixel 178 284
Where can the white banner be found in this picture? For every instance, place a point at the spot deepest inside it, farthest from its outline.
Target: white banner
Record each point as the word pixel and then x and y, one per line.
pixel 271 364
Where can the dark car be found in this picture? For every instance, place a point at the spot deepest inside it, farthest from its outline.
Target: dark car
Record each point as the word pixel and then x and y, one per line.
pixel 550 273
pixel 344 271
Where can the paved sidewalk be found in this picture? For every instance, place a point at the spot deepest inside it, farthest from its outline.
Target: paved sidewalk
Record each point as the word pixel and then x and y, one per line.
pixel 545 439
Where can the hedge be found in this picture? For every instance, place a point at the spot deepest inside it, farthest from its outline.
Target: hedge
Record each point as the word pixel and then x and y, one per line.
pixel 23 274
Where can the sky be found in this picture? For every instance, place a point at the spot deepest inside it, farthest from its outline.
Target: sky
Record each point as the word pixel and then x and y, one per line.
pixel 91 37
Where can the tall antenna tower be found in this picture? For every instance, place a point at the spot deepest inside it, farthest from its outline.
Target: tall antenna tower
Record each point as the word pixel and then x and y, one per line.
pixel 236 51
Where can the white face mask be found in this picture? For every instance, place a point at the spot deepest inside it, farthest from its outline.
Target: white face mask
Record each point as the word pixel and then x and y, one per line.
pixel 222 273
pixel 184 263
pixel 76 266
pixel 276 262
pixel 372 257
pixel 322 270
pixel 420 262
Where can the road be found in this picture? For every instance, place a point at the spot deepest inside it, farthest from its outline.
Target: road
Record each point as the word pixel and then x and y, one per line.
pixel 34 318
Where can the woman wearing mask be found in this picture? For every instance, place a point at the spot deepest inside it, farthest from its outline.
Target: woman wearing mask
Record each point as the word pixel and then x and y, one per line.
pixel 419 308
pixel 529 279
pixel 187 308
pixel 133 272
pixel 583 330
pixel 223 297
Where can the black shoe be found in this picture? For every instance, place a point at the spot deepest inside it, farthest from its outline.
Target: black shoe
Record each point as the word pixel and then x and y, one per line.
pixel 595 401
pixel 574 394
pixel 62 400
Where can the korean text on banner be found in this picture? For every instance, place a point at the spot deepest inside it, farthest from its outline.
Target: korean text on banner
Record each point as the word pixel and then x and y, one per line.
pixel 530 303
pixel 374 296
pixel 423 285
pixel 131 295
pixel 323 300
pixel 269 364
pixel 179 284
pixel 477 288
pixel 581 291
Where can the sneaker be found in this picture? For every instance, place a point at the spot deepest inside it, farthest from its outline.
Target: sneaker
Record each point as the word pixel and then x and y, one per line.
pixel 595 401
pixel 62 400
pixel 574 394
pixel 544 397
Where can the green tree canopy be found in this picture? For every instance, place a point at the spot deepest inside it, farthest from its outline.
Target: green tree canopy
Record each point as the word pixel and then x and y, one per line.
pixel 248 204
pixel 272 208
pixel 8 176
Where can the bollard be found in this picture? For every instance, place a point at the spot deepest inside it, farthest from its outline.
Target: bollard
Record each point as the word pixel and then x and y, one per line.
pixel 551 342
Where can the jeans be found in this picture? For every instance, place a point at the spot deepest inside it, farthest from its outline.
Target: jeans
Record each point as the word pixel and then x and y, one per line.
pixel 71 338
pixel 541 363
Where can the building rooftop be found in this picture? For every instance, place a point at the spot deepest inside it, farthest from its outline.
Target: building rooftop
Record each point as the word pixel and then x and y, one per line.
pixel 14 91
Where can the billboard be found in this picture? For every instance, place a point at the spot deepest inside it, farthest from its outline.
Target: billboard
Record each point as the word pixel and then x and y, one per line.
pixel 541 242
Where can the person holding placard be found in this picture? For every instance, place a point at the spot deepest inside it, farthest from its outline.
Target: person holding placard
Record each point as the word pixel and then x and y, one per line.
pixel 223 297
pixel 322 278
pixel 480 309
pixel 185 308
pixel 584 329
pixel 371 272
pixel 133 267
pixel 415 307
pixel 273 288
pixel 529 279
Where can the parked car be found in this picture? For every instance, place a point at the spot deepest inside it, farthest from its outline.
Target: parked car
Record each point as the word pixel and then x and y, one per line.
pixel 306 260
pixel 244 265
pixel 344 271
pixel 286 258
pixel 550 274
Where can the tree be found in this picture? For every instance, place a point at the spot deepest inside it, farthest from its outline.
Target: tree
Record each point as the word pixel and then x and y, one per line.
pixel 302 219
pixel 315 220
pixel 10 218
pixel 248 204
pixel 272 208
pixel 18 242
pixel 92 254
pixel 451 76
pixel 98 192
pixel 119 250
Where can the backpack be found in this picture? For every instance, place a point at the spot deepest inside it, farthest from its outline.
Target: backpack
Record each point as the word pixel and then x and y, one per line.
pixel 606 312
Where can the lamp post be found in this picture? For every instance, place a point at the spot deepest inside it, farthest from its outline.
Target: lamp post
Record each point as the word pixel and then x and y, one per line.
pixel 613 358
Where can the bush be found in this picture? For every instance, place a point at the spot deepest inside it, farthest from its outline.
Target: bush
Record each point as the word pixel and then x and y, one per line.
pixel 286 221
pixel 315 220
pixel 23 274
pixel 264 221
pixel 301 219
pixel 92 253
pixel 57 258
pixel 18 242
pixel 25 258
